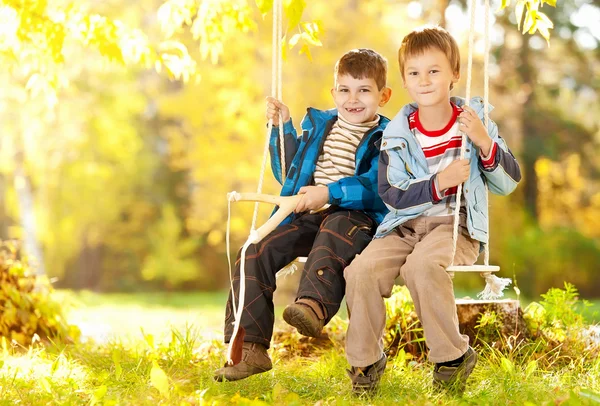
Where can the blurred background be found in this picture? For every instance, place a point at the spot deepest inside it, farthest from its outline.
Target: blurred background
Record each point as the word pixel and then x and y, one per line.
pixel 115 161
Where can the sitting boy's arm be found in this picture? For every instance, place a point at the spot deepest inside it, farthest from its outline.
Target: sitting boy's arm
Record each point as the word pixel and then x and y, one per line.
pixel 291 146
pixel 500 167
pixel 357 192
pixel 399 190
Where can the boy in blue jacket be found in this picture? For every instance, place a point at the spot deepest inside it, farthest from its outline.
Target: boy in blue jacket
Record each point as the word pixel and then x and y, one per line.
pixel 333 165
pixel 419 171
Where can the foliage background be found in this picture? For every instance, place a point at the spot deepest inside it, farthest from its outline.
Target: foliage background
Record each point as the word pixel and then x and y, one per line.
pixel 124 124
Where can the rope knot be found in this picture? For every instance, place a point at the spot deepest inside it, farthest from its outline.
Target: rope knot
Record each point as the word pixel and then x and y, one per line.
pixel 233 196
pixel 494 286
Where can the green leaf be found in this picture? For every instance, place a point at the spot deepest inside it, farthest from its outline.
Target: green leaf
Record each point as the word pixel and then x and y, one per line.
pixel 544 18
pixel 591 395
pixel 293 11
pixel 149 338
pixel 544 29
pixel 264 6
pixel 159 379
pixel 519 12
pixel 100 393
pixel 507 365
pixel 116 355
pixel 284 48
pixel 311 40
pixel 529 22
pixel 45 382
pixel 278 391
pixel 530 368
pixel 294 40
pixel 533 5
pixel 118 371
pixel 306 50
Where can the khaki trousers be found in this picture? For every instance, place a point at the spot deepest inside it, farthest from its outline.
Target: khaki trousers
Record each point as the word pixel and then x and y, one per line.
pixel 419 250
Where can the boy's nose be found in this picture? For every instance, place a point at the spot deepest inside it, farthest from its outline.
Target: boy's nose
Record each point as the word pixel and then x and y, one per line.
pixel 424 80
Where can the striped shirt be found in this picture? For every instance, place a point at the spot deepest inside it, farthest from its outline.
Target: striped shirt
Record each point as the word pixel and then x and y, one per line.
pixel 338 157
pixel 441 147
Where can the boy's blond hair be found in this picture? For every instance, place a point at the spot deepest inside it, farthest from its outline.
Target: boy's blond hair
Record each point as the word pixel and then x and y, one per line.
pixel 362 63
pixel 424 38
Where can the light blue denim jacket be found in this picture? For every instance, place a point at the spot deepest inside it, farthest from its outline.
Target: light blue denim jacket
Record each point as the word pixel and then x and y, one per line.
pixel 405 184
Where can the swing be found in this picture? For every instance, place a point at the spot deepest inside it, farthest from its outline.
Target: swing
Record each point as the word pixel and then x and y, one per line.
pixel 494 285
pixel 286 203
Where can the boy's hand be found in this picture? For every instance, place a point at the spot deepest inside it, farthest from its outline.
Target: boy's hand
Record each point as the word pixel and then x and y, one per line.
pixel 471 125
pixel 274 107
pixel 454 174
pixel 314 197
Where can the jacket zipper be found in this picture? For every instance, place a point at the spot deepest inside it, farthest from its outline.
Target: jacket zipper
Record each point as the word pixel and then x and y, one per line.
pixel 364 139
pixel 306 147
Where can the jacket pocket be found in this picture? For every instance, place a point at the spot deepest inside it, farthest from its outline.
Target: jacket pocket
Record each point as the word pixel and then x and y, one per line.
pixel 478 209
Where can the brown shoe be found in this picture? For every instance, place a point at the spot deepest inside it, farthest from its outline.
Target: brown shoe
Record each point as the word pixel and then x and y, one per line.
pixel 254 361
pixel 307 316
pixel 366 380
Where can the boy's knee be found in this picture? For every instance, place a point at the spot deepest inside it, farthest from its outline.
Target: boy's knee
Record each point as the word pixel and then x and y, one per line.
pixel 253 250
pixel 336 220
pixel 428 269
pixel 358 272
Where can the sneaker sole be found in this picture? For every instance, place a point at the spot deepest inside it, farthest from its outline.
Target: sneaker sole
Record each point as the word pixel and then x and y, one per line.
pixel 297 318
pixel 459 383
pixel 230 375
pixel 363 389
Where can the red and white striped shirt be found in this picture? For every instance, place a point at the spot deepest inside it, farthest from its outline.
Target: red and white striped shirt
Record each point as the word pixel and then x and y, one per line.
pixel 441 147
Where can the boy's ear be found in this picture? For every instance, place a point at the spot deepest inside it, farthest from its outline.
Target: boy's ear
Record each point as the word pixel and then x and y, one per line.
pixel 385 96
pixel 456 78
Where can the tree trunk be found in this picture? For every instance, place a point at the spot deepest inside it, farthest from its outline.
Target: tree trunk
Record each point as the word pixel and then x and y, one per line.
pixel 27 217
pixel 531 148
pixel 491 321
pixel 3 214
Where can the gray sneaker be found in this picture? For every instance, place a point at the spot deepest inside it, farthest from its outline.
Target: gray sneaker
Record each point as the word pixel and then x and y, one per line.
pixel 366 383
pixel 454 379
pixel 254 361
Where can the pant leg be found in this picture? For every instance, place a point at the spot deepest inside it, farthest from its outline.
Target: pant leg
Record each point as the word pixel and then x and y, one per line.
pixel 343 234
pixel 431 287
pixel 369 279
pixel 263 260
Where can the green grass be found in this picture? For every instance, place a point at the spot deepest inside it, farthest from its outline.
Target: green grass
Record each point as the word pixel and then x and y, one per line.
pixel 173 361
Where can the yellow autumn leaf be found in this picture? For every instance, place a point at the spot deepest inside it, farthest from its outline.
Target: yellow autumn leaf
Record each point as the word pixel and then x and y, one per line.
pixel 159 379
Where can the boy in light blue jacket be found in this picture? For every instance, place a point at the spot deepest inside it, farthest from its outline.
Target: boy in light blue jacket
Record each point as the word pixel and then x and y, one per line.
pixel 419 171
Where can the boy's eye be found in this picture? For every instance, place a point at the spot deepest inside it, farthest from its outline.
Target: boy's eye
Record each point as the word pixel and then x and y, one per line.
pixel 434 71
pixel 413 73
pixel 342 90
pixel 364 90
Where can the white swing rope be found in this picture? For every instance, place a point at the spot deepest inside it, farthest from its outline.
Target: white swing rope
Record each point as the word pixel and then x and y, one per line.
pixel 276 91
pixel 494 286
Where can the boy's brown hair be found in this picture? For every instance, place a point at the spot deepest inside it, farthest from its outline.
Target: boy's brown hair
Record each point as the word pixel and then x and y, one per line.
pixel 421 39
pixel 363 63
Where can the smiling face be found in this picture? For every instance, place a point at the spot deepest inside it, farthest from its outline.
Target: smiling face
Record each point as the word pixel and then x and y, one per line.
pixel 357 100
pixel 428 77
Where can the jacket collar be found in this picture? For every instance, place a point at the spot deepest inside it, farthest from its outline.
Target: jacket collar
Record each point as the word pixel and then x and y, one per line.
pixel 399 126
pixel 321 117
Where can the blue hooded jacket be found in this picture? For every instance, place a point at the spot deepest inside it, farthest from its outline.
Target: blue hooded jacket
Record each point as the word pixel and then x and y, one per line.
pixel 358 192
pixel 405 181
